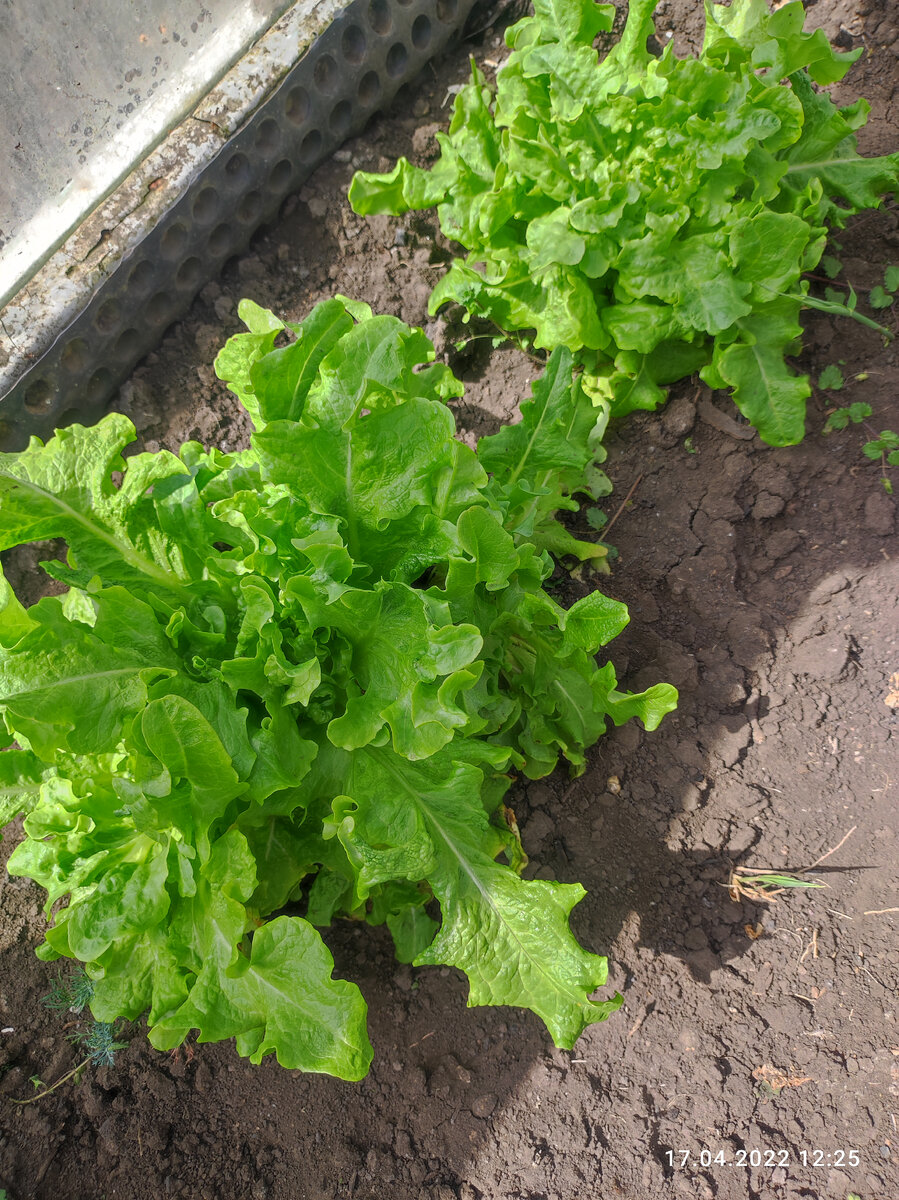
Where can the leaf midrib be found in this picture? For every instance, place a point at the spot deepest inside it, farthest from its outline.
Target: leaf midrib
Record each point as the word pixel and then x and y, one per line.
pixel 552 983
pixel 128 553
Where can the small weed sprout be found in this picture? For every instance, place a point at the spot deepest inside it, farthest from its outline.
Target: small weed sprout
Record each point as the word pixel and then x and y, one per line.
pixel 852 414
pixel 831 378
pixel 885 296
pixel 98 1040
pixel 72 993
pixel 763 886
pixel 886 448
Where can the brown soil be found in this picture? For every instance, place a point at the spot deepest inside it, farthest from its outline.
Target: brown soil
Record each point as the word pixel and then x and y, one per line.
pixel 763 583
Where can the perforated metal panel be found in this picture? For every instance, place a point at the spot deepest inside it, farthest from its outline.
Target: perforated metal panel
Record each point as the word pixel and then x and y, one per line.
pixel 354 68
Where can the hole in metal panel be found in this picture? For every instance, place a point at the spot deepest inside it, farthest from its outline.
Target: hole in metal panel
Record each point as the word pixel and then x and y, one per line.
pixel 311 147
pixel 326 74
pixel 280 176
pixel 99 386
pixel 352 44
pixel 174 243
pixel 142 278
pixel 39 398
pixel 108 317
pixel 397 58
pixel 379 16
pixel 128 345
pixel 369 89
pixel 268 137
pixel 250 207
pixel 220 241
pixel 421 32
pixel 189 273
pixel 341 118
pixel 447 9
pixel 69 417
pixel 297 105
pixel 75 356
pixel 206 206
pixel 237 169
pixel 158 309
pixel 403 98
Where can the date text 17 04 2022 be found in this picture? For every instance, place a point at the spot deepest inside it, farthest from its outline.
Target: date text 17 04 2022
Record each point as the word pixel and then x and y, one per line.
pixel 687 1159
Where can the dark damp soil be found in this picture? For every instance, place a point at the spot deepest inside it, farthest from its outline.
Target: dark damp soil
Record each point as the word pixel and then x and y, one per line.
pixel 763 583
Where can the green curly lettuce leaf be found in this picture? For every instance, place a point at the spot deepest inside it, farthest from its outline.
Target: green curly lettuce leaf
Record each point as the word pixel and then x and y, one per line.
pixel 510 937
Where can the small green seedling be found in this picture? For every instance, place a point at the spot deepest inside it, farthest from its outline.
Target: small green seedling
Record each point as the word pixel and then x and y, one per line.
pixel 751 884
pixel 72 993
pixel 596 518
pixel 853 414
pixel 831 378
pixel 879 298
pixel 885 296
pixel 885 448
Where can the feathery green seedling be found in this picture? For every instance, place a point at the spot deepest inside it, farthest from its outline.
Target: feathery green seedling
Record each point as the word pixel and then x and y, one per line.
pixel 73 993
pixel 70 993
pixel 99 1041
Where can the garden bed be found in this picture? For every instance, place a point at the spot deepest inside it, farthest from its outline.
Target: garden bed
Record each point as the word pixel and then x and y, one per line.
pixel 761 582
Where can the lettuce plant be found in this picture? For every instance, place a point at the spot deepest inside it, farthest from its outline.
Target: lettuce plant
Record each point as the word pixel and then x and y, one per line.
pixel 294 683
pixel 654 215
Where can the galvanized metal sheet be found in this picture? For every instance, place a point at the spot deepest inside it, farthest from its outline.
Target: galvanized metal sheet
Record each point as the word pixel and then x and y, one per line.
pixel 87 88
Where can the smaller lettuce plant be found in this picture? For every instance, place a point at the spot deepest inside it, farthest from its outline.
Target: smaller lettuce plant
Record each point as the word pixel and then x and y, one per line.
pixel 299 679
pixel 654 215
